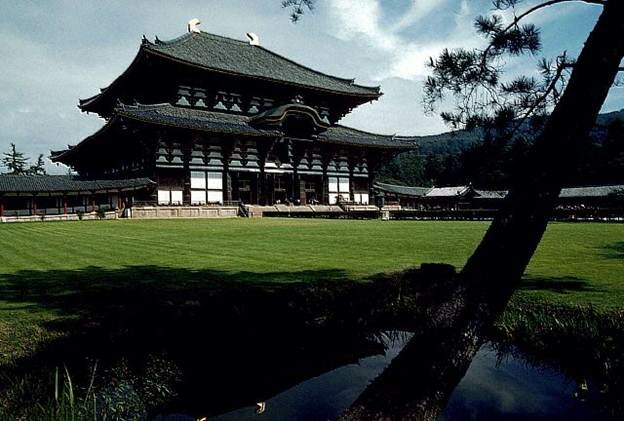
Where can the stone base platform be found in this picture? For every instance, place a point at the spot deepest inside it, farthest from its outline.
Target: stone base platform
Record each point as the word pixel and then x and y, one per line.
pixel 254 211
pixel 145 212
pixel 90 216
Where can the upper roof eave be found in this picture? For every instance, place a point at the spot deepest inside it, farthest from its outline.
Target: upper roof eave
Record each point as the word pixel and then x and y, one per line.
pixel 203 49
pixel 372 95
pixel 148 47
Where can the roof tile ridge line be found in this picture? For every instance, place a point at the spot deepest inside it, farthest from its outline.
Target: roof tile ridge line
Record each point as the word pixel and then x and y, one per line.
pixel 185 37
pixel 398 185
pixel 224 37
pixel 363 131
pixel 142 107
pixel 593 185
pixel 189 35
pixel 147 120
pixel 179 39
pixel 412 138
pixel 201 66
pixel 350 81
pixel 168 105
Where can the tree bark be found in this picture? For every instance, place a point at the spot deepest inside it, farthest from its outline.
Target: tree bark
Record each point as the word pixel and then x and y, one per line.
pixel 419 381
pixel 516 231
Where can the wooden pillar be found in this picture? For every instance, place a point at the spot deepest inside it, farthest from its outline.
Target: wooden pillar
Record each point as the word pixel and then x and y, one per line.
pixel 303 197
pixel 1 206
pixel 33 205
pixel 93 203
pixel 227 185
pixel 327 155
pixel 296 188
pixel 227 148
pixel 187 149
pixel 372 164
pixel 257 189
pixel 64 205
pixel 351 183
pixel 324 199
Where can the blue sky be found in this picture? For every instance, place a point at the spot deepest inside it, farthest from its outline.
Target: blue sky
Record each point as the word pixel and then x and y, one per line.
pixel 54 52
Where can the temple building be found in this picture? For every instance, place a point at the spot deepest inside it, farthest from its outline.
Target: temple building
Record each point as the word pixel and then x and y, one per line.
pixel 217 121
pixel 580 202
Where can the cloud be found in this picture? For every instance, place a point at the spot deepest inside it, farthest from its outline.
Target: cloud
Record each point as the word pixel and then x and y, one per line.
pixel 418 10
pixel 402 55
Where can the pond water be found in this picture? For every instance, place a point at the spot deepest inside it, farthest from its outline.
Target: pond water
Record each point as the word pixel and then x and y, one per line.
pixel 497 385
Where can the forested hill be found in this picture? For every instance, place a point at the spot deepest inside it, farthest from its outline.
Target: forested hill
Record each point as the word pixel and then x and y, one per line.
pixel 462 157
pixel 458 141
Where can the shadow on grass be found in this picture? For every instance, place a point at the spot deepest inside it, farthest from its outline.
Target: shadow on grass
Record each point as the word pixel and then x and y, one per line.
pixel 225 339
pixel 560 285
pixel 614 250
pixel 203 342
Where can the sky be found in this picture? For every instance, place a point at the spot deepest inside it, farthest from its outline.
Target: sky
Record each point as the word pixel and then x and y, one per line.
pixel 53 52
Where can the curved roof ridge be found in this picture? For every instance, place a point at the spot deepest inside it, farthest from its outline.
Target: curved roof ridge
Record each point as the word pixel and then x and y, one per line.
pixel 350 81
pixel 157 48
pixel 140 106
pixel 189 35
pixel 171 41
pixel 364 131
pixel 393 136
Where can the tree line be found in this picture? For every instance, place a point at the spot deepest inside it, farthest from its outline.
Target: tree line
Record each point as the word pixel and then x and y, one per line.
pixel 490 163
pixel 16 163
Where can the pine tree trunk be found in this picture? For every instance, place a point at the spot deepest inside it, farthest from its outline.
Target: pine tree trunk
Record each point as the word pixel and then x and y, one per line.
pixel 419 381
pixel 515 233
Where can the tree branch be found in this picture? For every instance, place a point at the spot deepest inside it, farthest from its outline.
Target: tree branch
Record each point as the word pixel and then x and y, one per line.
pixel 546 4
pixel 542 98
pixel 534 9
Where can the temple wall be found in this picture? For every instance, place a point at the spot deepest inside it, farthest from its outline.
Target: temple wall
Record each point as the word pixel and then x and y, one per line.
pixel 59 217
pixel 263 171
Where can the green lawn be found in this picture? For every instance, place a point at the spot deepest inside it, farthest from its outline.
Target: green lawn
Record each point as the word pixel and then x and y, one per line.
pixel 576 263
pixel 56 273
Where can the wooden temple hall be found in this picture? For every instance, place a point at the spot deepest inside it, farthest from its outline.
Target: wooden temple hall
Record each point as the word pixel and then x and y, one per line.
pixel 213 120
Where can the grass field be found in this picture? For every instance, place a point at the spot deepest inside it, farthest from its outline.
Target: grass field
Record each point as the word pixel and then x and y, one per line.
pixel 575 263
pixel 51 272
pixel 78 291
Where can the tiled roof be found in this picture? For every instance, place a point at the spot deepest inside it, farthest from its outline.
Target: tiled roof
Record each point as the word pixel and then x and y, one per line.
pixel 403 190
pixel 491 194
pixel 569 192
pixel 216 122
pixel 233 56
pixel 190 118
pixel 448 191
pixel 591 191
pixel 65 183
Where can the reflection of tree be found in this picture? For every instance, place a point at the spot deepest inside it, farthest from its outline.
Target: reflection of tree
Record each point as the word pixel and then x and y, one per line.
pixel 418 382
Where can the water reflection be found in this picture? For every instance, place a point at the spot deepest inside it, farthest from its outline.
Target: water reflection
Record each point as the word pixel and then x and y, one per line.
pixel 508 386
pixel 325 397
pixel 498 384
